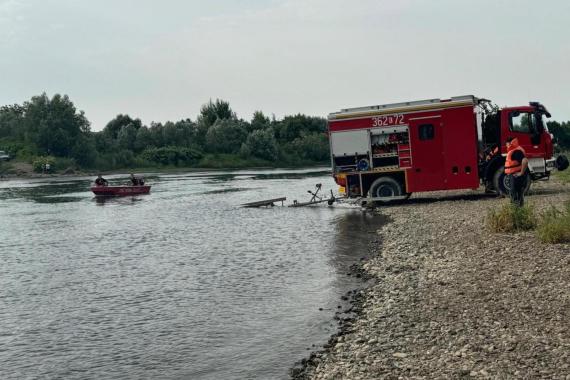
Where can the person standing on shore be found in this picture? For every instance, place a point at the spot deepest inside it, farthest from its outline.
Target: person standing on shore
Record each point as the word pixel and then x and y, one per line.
pixel 515 167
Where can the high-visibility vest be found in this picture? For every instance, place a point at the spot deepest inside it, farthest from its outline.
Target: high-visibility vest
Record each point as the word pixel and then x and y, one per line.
pixel 513 166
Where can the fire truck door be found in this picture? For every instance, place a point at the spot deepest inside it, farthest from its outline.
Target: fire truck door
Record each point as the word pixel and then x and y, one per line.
pixel 524 126
pixel 426 140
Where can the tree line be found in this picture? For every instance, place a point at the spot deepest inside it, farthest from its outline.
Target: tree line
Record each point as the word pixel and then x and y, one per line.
pixel 561 132
pixel 52 129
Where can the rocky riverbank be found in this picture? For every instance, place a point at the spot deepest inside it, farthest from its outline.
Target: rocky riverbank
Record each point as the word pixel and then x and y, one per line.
pixel 452 300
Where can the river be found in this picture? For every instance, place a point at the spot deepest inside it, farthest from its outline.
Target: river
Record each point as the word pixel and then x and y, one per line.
pixel 178 284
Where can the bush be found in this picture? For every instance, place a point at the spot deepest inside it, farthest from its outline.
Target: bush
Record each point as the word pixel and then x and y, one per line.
pixel 63 163
pixel 232 161
pixel 554 226
pixel 124 158
pixel 116 160
pixel 312 147
pixel 293 127
pixel 39 163
pixel 172 155
pixel 225 136
pixel 261 144
pixel 511 218
pixel 84 152
pixel 17 149
pixel 55 163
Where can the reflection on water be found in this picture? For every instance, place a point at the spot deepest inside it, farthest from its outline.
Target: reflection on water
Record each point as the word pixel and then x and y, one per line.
pixel 182 283
pixel 49 199
pixel 228 190
pixel 128 200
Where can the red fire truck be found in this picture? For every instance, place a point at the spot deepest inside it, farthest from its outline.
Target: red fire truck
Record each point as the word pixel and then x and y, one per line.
pixel 389 151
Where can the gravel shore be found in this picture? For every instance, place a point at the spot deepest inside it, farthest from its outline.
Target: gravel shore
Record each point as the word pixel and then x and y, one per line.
pixel 451 300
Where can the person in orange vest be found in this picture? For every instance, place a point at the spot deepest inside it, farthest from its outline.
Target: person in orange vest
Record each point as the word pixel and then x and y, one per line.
pixel 515 167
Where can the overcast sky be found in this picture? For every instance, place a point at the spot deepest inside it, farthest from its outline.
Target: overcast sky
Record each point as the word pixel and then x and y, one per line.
pixel 161 60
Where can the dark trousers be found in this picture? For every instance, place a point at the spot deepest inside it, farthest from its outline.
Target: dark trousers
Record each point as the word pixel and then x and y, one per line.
pixel 517 189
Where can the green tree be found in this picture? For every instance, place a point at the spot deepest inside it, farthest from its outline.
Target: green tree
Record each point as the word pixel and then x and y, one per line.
pixel 53 124
pixel 291 127
pixel 261 144
pixel 212 111
pixel 185 132
pixel 156 134
pixel 127 137
pixel 11 122
pixel 209 114
pixel 561 132
pixel 225 136
pixel 310 146
pixel 172 155
pixel 259 121
pixel 143 139
pixel 84 151
pixel 114 126
pixel 104 142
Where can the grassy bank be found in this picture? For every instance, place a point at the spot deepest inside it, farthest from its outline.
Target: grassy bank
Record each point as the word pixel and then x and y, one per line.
pixel 563 176
pixel 552 225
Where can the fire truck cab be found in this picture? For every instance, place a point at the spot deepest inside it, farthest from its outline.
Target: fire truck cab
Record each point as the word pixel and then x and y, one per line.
pixel 389 151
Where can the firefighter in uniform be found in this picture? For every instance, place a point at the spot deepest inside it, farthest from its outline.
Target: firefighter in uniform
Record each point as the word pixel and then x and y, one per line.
pixel 515 167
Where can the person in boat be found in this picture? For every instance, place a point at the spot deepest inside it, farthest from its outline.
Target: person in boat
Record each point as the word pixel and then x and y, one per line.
pixel 136 181
pixel 100 181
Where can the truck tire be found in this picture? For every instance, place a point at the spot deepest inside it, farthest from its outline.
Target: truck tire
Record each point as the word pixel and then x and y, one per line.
pixel 385 187
pixel 499 182
pixel 502 184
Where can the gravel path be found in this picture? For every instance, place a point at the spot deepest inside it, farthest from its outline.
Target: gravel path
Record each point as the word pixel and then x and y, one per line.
pixel 451 300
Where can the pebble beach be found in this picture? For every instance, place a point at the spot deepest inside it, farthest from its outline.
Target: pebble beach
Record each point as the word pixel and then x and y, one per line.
pixel 448 299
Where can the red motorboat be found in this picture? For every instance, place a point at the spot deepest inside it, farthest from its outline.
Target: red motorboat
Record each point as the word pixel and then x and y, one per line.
pixel 111 191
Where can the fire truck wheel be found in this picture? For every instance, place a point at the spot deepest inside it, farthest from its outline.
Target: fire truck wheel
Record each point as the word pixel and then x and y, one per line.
pixel 499 182
pixel 385 187
pixel 502 183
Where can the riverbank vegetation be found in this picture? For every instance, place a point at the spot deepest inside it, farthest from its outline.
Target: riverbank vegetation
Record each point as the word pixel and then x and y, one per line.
pixel 564 176
pixel 52 130
pixel 555 225
pixel 511 218
pixel 552 225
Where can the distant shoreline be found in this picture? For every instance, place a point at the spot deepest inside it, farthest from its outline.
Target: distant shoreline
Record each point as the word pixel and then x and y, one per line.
pixel 30 174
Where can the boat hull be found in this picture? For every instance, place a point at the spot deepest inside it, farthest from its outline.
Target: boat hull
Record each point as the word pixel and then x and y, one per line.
pixel 117 191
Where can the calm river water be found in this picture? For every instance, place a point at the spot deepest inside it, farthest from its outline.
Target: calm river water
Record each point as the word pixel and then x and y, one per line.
pixel 178 284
